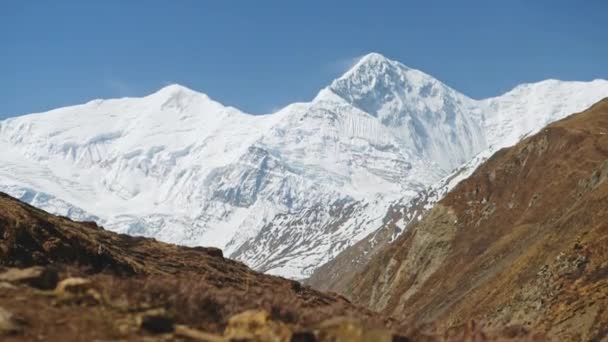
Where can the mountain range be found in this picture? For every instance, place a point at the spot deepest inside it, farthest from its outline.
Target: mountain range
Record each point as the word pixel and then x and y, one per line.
pixel 284 192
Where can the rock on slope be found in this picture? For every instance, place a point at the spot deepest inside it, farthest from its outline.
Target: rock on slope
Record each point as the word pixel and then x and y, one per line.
pixel 523 240
pixel 284 192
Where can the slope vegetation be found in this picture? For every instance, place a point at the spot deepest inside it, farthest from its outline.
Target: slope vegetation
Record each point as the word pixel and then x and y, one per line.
pixel 132 275
pixel 523 240
pixel 66 281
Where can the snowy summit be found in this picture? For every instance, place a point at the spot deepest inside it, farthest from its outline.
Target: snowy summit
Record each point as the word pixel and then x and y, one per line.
pixel 283 192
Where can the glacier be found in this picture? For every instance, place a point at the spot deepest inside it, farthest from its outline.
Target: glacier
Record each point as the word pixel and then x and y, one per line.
pixel 282 192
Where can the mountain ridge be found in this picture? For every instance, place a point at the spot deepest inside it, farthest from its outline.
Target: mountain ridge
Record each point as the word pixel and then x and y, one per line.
pixel 520 240
pixel 284 192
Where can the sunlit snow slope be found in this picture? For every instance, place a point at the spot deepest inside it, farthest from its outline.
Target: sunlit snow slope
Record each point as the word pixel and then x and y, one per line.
pixel 284 192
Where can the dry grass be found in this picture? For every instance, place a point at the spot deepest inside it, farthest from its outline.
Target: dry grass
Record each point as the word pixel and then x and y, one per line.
pixel 194 302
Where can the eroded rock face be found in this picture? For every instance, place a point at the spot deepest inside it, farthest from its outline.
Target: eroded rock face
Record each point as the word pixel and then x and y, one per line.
pixel 522 241
pixel 427 251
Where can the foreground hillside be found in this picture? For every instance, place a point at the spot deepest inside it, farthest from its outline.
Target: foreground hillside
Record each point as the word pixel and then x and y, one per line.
pixel 524 240
pixel 62 280
pixel 129 276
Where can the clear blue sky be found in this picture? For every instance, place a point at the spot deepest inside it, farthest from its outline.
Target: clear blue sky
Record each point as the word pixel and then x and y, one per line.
pixel 261 55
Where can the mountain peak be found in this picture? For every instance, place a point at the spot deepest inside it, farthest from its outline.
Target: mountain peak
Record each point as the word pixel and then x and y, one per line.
pixel 372 63
pixel 176 90
pixel 181 98
pixel 370 71
pixel 376 73
pixel 374 58
pixel 388 89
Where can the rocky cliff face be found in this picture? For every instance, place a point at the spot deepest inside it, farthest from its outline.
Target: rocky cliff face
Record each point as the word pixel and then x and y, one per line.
pixel 523 240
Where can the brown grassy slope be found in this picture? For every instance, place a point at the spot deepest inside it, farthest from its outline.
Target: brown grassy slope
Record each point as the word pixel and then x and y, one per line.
pixel 197 286
pixel 523 240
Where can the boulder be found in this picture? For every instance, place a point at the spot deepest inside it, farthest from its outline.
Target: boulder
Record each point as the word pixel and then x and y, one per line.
pixel 77 290
pixel 255 325
pixel 73 286
pixel 197 335
pixel 44 278
pixel 7 286
pixel 9 324
pixel 156 321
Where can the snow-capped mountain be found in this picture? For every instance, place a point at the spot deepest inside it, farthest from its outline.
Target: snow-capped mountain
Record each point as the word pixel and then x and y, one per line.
pixel 283 192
